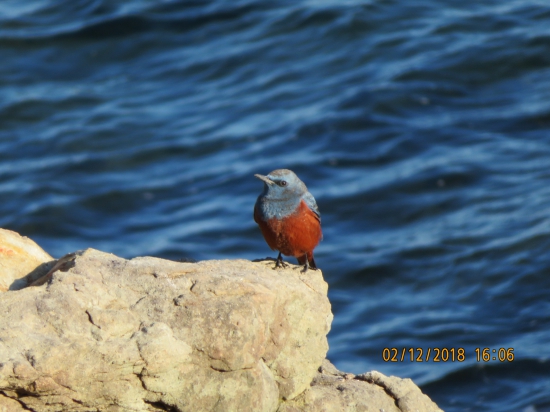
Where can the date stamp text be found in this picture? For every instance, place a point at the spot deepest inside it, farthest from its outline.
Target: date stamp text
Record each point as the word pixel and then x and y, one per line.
pixel 446 354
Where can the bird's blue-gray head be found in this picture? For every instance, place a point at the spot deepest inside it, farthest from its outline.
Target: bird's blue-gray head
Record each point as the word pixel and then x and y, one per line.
pixel 282 194
pixel 283 185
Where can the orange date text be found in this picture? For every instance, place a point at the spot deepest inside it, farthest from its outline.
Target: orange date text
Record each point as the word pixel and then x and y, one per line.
pixel 423 355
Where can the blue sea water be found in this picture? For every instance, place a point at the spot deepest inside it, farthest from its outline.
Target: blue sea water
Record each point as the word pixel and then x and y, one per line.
pixel 422 129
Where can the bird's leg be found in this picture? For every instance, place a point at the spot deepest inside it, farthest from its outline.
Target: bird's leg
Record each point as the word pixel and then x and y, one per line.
pixel 280 263
pixel 306 267
pixel 312 264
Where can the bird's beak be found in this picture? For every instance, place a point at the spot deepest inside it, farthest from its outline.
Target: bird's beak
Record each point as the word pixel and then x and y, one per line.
pixel 266 179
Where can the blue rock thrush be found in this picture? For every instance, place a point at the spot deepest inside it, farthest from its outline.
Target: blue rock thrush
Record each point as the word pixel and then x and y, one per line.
pixel 288 217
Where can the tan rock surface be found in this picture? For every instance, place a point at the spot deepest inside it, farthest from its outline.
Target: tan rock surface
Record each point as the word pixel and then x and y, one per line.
pixel 21 261
pixel 336 391
pixel 101 333
pixel 9 405
pixel 148 334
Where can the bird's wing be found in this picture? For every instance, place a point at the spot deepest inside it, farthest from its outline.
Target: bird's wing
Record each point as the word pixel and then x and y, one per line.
pixel 257 213
pixel 312 204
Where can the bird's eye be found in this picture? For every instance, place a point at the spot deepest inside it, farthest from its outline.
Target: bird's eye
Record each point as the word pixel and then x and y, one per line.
pixel 283 182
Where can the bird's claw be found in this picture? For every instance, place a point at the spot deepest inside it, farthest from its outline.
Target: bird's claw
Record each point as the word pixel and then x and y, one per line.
pixel 280 263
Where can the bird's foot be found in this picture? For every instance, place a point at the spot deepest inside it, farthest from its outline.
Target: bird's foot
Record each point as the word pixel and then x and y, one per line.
pixel 280 263
pixel 308 265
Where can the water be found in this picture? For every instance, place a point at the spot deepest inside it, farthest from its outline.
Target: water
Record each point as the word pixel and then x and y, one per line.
pixel 422 130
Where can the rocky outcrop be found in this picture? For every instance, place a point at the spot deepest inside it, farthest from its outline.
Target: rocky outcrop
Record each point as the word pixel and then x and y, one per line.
pixel 151 334
pixel 336 391
pixel 102 333
pixel 21 261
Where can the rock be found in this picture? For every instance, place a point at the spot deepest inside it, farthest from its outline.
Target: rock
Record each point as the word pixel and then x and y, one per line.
pixel 332 390
pixel 9 405
pixel 95 332
pixel 148 334
pixel 21 261
pixel 407 396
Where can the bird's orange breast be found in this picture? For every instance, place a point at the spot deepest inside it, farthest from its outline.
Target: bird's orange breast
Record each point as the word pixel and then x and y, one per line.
pixel 294 235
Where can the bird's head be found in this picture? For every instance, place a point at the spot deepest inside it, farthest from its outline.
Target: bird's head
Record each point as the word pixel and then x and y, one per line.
pixel 282 184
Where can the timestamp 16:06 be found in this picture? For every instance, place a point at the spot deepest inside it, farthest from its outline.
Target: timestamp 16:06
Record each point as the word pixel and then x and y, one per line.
pixel 445 354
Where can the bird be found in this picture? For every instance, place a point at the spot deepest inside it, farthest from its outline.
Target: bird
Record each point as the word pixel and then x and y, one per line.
pixel 288 217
